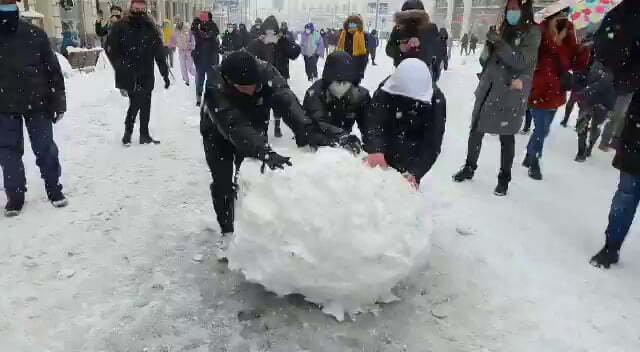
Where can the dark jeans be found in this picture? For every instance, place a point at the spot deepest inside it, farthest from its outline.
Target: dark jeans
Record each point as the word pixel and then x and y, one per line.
pixel 138 102
pixel 201 75
pixel 623 209
pixel 220 156
pixel 311 66
pixel 588 126
pixel 507 151
pixel 40 129
pixel 527 121
pixel 542 118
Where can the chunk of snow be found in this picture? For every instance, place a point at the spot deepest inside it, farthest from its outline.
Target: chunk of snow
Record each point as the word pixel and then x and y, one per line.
pixel 67 71
pixel 329 228
pixel 198 258
pixel 66 273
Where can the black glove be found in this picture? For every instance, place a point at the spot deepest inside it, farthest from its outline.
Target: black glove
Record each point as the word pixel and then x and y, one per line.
pixel 350 143
pixel 167 82
pixel 314 137
pixel 274 161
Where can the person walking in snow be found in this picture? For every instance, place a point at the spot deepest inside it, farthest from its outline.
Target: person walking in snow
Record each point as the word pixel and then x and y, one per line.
pixel 415 36
pixel 332 40
pixel 354 42
pixel 372 46
pixel 337 102
pixel 133 45
pixel 464 45
pixel 205 54
pixel 244 37
pixel 312 46
pixel 276 49
pixel 167 33
pixel 228 40
pixel 406 123
pixel 617 46
pixel 33 92
pixel 182 38
pixel 284 30
pixel 579 67
pixel 473 43
pixel 256 29
pixel 551 81
pixel 444 49
pixel 102 30
pixel 505 83
pixel 239 96
pixel 613 128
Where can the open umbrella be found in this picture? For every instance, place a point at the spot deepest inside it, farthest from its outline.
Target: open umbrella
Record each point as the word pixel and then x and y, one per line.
pixel 581 12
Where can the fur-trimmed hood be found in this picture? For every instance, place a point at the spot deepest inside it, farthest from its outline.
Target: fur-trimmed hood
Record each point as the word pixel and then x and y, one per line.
pixel 353 19
pixel 412 22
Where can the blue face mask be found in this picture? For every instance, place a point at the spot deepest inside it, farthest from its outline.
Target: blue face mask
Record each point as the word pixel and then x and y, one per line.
pixel 513 17
pixel 9 8
pixel 353 26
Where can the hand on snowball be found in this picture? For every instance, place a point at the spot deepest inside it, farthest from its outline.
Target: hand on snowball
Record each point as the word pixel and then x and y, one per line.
pixel 375 160
pixel 412 180
pixel 350 143
pixel 274 161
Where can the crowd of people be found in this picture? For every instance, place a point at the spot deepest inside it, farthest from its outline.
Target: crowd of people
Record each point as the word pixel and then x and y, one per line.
pixel 528 69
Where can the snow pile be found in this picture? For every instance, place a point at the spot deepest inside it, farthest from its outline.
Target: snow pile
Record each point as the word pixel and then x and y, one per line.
pixel 103 63
pixel 329 228
pixel 67 71
pixel 72 49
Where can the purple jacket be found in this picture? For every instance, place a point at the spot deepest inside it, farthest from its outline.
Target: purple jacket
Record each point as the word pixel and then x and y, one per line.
pixel 312 43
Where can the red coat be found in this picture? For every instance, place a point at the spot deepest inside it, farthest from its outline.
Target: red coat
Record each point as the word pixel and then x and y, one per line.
pixel 546 92
pixel 582 59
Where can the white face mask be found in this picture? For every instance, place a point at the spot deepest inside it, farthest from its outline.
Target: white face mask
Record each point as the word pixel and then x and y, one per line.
pixel 270 36
pixel 339 88
pixel 308 31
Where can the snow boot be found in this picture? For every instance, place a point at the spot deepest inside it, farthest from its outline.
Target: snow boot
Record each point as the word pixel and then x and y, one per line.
pixel 15 202
pixel 198 101
pixel 534 169
pixel 503 184
pixel 277 131
pixel 126 139
pixel 526 162
pixel 466 173
pixel 56 197
pixel 589 150
pixel 148 140
pixel 222 245
pixel 582 153
pixel 605 257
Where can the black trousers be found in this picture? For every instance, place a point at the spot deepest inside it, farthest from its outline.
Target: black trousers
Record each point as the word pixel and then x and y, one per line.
pixel 507 151
pixel 221 157
pixel 138 102
pixel 311 66
pixel 372 52
pixel 527 121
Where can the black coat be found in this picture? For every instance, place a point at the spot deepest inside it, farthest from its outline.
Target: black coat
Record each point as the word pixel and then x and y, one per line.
pixel 415 23
pixel 102 30
pixel 407 131
pixel 132 48
pixel 617 46
pixel 243 120
pixel 30 76
pixel 277 54
pixel 205 53
pixel 342 113
pixel 229 40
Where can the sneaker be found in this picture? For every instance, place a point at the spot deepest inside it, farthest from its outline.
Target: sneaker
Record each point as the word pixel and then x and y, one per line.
pixel 15 202
pixel 534 169
pixel 148 140
pixel 126 139
pixel 222 245
pixel 501 189
pixel 57 198
pixel 581 157
pixel 466 173
pixel 605 258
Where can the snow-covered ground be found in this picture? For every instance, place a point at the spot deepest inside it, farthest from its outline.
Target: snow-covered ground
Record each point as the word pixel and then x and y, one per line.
pixel 115 271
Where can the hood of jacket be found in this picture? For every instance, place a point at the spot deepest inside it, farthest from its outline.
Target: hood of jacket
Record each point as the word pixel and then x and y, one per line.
pixel 270 23
pixel 412 22
pixel 412 5
pixel 412 79
pixel 340 66
pixel 353 19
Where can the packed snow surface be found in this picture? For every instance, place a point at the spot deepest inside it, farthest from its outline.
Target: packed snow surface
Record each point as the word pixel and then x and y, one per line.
pixel 329 228
pixel 65 66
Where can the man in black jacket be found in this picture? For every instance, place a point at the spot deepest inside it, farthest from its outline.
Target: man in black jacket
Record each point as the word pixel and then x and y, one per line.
pixel 235 115
pixel 337 102
pixel 133 45
pixel 205 54
pixel 617 46
pixel 32 89
pixel 276 49
pixel 102 30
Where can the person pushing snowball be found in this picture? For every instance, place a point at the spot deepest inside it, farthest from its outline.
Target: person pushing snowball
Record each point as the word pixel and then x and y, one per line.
pixel 406 123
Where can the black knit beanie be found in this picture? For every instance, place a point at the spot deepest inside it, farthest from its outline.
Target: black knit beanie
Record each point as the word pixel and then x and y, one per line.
pixel 240 68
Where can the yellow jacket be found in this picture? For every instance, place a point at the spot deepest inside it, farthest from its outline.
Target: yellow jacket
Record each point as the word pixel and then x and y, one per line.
pixel 167 31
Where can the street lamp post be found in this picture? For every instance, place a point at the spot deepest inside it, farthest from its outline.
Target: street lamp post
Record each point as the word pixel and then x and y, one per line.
pixel 377 13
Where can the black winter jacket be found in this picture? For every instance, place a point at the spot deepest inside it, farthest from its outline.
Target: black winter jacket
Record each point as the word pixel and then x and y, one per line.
pixel 407 131
pixel 205 53
pixel 323 107
pixel 102 30
pixel 30 76
pixel 415 23
pixel 277 54
pixel 243 120
pixel 132 48
pixel 617 46
pixel 229 40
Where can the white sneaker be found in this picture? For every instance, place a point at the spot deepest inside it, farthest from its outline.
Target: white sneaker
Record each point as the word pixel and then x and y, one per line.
pixel 222 245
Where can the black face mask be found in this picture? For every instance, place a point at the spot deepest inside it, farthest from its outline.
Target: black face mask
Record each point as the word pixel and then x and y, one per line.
pixel 138 15
pixel 9 21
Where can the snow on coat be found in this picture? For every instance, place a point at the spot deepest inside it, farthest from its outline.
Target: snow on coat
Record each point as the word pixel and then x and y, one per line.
pixel 498 108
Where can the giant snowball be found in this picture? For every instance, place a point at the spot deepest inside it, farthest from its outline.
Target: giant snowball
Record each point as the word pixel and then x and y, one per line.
pixel 329 228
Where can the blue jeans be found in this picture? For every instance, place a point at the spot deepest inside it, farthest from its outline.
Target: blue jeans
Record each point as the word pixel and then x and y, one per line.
pixel 40 129
pixel 201 74
pixel 542 119
pixel 623 209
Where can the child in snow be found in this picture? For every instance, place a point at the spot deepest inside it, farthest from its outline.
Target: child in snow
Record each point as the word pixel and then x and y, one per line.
pixel 405 126
pixel 337 102
pixel 183 39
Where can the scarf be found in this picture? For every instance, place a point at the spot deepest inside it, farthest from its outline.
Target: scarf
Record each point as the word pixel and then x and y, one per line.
pixel 359 46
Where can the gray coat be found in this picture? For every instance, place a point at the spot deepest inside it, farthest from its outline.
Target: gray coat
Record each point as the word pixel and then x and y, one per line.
pixel 498 108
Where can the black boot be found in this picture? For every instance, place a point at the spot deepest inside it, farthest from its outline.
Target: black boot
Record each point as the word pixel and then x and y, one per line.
pixel 15 202
pixel 146 139
pixel 527 161
pixel 503 184
pixel 466 173
pixel 198 101
pixel 56 197
pixel 277 131
pixel 126 139
pixel 534 169
pixel 589 150
pixel 608 255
